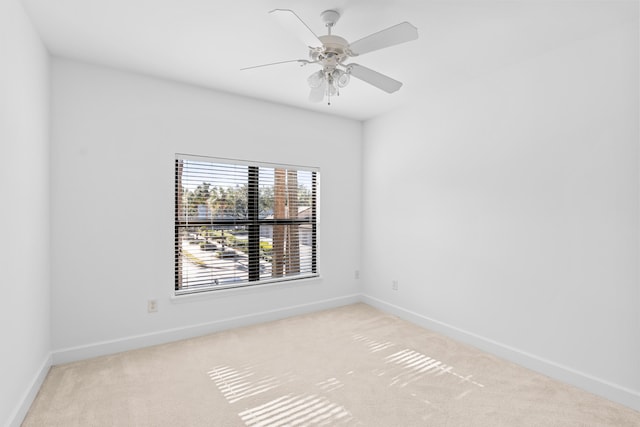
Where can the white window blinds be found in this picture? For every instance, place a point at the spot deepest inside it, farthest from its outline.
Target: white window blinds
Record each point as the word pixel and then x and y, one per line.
pixel 239 223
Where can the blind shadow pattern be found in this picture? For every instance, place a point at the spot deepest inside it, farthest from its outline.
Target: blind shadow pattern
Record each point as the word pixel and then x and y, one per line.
pixel 291 410
pixel 330 384
pixel 414 365
pixel 373 345
pixel 272 392
pixel 238 384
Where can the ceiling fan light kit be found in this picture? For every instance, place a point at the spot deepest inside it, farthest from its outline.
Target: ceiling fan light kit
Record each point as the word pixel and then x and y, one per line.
pixel 331 51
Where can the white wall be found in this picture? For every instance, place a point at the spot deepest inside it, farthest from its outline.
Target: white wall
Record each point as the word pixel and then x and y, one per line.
pixel 24 216
pixel 114 138
pixel 507 209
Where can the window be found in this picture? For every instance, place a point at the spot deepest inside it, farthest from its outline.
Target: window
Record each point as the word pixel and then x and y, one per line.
pixel 242 223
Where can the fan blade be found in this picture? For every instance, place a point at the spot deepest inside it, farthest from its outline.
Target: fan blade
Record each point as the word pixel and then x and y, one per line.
pixel 392 36
pixel 292 22
pixel 317 94
pixel 374 78
pixel 303 61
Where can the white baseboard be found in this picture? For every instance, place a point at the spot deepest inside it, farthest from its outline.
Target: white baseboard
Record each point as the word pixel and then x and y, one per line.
pixel 30 394
pixel 73 354
pixel 613 392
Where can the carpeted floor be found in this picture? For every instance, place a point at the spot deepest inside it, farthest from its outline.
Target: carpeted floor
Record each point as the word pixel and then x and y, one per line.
pixel 350 366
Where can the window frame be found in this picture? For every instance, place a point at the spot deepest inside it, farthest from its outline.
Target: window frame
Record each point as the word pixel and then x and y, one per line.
pixel 252 223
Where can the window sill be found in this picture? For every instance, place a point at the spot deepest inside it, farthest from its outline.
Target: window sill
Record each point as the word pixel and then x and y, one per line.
pixel 241 290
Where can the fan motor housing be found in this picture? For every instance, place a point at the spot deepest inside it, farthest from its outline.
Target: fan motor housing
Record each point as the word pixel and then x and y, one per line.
pixel 334 51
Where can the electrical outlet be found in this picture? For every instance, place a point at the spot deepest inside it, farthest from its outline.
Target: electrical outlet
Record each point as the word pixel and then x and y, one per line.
pixel 357 274
pixel 394 285
pixel 152 306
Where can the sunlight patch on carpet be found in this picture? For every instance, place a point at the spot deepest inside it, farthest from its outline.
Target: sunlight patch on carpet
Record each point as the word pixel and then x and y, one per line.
pixel 415 365
pixel 237 384
pixel 373 345
pixel 271 397
pixel 330 384
pixel 297 410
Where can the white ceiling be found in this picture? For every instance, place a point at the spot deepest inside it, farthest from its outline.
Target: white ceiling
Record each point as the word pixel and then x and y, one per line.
pixel 206 42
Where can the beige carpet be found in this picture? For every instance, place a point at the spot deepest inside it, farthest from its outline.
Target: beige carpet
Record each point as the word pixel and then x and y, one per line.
pixel 351 366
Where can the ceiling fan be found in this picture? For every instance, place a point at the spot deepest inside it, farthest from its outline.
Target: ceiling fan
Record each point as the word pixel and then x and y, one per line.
pixel 330 52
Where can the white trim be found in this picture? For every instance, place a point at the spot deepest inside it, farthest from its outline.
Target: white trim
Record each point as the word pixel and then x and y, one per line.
pixel 210 293
pixel 598 386
pixel 102 348
pixel 17 417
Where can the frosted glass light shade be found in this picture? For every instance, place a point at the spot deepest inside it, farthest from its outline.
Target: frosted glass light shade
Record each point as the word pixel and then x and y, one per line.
pixel 316 79
pixel 340 78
